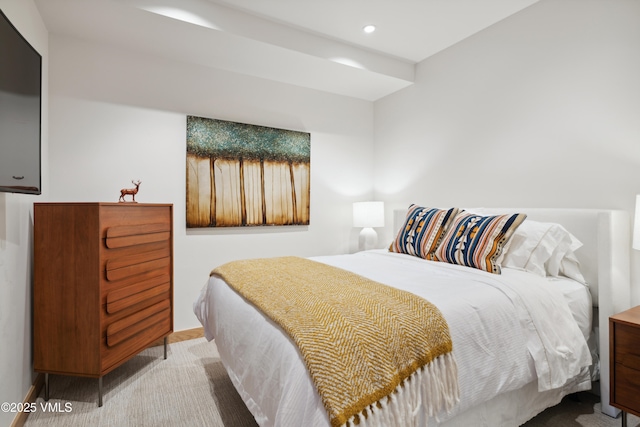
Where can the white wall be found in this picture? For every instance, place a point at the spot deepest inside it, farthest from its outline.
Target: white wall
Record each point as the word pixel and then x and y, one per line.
pixel 541 109
pixel 119 115
pixel 16 237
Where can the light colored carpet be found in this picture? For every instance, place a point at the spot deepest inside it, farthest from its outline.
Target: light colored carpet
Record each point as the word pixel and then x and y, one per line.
pixel 579 410
pixel 191 388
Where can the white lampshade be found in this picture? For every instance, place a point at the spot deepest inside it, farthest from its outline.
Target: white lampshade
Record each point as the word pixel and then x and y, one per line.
pixel 368 214
pixel 636 226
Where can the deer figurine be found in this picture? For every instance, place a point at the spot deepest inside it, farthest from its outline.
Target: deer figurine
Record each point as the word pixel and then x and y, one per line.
pixel 131 191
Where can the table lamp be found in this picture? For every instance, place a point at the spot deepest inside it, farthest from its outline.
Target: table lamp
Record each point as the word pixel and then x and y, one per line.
pixel 368 215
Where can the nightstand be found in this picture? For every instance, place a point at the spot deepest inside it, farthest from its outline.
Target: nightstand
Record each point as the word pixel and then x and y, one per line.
pixel 624 356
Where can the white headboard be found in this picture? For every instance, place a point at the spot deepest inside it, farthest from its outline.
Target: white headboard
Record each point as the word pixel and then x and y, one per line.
pixel 604 261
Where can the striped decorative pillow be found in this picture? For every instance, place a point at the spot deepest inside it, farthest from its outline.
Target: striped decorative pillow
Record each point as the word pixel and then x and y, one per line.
pixel 478 241
pixel 422 231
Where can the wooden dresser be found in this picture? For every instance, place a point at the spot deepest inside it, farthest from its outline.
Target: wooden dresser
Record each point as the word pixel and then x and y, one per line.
pixel 103 285
pixel 624 348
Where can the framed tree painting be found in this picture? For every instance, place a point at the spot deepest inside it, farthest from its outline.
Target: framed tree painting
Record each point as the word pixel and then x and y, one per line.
pixel 246 175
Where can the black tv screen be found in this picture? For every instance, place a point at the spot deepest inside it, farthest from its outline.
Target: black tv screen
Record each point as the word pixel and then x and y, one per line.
pixel 20 112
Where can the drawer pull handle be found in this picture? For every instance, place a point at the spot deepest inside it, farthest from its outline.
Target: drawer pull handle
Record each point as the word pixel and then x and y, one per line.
pixel 125 261
pixel 126 291
pixel 132 270
pixel 134 230
pixel 131 235
pixel 137 317
pixel 123 242
pixel 131 331
pixel 137 298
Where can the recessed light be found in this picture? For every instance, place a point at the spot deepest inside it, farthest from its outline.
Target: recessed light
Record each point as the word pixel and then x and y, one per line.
pixel 369 28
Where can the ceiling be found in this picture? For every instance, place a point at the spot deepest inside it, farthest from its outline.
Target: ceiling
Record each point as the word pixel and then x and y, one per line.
pixel 318 44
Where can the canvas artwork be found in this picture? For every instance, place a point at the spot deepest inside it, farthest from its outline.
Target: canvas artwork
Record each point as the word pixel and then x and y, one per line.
pixel 246 175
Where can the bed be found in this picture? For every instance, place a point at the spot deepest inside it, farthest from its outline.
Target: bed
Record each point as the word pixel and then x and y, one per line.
pixel 502 327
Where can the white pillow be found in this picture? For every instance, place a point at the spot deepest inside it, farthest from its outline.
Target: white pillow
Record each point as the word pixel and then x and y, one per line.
pixel 541 248
pixel 570 267
pixel 568 244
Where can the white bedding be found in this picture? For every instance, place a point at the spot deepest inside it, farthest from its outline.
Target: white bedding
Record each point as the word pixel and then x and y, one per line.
pixel 509 331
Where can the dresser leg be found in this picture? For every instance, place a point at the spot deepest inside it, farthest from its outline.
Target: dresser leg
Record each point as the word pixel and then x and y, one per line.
pixel 46 387
pixel 624 419
pixel 100 392
pixel 165 346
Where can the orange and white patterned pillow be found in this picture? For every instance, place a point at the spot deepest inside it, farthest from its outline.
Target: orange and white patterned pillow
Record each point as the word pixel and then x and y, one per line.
pixel 478 241
pixel 422 231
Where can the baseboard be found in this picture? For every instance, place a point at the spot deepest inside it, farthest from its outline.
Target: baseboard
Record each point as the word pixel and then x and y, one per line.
pixel 31 397
pixel 187 334
pixel 38 383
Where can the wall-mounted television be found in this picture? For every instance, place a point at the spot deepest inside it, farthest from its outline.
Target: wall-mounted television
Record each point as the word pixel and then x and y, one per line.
pixel 20 112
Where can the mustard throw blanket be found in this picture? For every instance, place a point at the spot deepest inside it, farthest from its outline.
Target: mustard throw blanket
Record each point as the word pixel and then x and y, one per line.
pixel 375 353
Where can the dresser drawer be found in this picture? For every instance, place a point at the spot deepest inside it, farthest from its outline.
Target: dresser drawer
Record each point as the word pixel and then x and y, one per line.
pixel 112 291
pixel 627 349
pixel 138 293
pixel 123 215
pixel 122 267
pixel 127 327
pixel 113 355
pixel 627 386
pixel 131 235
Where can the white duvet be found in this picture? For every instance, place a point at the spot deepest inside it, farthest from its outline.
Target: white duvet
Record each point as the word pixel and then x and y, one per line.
pixel 508 331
